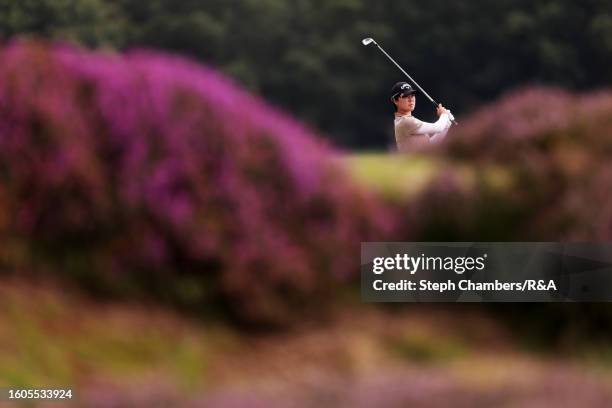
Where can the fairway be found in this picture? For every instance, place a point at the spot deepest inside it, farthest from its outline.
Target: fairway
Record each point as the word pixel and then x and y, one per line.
pixel 397 177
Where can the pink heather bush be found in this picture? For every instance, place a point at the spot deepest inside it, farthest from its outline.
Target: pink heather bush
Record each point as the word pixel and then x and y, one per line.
pixel 531 123
pixel 556 146
pixel 420 386
pixel 149 173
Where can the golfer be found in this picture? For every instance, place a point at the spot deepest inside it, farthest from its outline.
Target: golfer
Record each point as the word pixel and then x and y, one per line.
pixel 410 132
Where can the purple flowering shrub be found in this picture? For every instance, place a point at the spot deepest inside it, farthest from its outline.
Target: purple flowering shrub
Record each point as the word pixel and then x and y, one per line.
pixel 149 174
pixel 552 146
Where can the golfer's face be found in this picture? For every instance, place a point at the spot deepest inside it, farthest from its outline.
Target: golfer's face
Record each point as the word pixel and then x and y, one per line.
pixel 406 102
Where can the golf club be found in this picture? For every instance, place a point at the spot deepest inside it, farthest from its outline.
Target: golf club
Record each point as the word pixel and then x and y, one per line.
pixel 367 41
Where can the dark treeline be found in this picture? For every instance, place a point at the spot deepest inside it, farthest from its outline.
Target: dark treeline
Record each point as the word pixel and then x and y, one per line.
pixel 306 56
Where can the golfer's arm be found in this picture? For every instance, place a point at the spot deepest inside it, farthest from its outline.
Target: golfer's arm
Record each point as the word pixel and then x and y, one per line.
pixel 438 137
pixel 441 125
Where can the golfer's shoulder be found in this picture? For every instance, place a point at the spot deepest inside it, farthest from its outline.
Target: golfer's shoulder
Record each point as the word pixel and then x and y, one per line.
pixel 407 123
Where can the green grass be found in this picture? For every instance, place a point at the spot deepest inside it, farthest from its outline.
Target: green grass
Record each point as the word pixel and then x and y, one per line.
pixel 425 348
pixel 400 178
pixel 397 177
pixel 51 338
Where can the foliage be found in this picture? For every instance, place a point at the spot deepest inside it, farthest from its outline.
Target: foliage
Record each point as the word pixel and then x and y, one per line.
pixel 150 174
pixel 555 146
pixel 89 22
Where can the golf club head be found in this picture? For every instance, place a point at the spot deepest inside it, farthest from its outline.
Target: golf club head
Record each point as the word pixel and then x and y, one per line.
pixel 368 41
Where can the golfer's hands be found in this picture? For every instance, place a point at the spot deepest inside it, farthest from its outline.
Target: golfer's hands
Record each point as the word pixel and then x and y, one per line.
pixel 441 109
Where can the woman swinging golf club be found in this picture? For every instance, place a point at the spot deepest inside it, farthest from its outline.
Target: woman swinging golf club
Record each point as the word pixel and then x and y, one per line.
pixel 409 131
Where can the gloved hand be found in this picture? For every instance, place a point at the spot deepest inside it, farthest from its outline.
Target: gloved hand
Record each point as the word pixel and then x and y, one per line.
pixel 450 115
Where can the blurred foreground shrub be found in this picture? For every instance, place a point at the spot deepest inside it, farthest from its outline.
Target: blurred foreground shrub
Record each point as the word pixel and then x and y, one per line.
pixel 558 147
pixel 540 169
pixel 146 174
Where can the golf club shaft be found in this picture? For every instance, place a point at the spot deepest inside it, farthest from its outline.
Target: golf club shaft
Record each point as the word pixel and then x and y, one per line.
pixel 409 77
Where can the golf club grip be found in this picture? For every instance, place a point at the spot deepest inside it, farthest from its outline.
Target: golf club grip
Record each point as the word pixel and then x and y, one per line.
pixel 454 122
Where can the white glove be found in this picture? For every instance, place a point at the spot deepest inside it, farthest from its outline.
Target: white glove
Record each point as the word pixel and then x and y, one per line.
pixel 450 115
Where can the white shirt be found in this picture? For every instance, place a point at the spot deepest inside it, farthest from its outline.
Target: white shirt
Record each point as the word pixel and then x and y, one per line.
pixel 410 131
